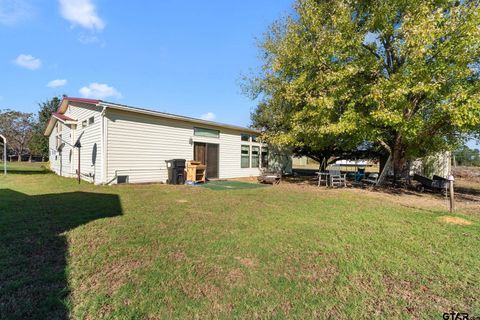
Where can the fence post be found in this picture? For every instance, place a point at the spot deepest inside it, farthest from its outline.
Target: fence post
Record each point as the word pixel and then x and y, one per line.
pixel 452 193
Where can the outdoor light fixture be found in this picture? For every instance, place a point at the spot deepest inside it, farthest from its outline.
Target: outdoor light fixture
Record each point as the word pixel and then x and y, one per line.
pixel 190 140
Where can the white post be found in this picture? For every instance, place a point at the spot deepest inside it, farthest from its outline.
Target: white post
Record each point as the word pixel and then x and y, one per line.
pixel 452 193
pixel 4 154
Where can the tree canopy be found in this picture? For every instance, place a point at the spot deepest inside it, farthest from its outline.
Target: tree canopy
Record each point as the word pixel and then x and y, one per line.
pixel 39 143
pixel 17 128
pixel 401 75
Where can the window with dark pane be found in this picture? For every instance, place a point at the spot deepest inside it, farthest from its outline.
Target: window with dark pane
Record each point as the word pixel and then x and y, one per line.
pixel 245 157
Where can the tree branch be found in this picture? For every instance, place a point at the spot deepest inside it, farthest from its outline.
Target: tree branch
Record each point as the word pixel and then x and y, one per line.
pixel 377 56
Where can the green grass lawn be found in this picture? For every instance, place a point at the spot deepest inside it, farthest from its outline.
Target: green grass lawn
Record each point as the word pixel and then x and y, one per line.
pixel 158 251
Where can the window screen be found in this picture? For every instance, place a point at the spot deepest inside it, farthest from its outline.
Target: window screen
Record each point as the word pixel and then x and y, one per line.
pixel 204 132
pixel 245 159
pixel 255 156
pixel 264 157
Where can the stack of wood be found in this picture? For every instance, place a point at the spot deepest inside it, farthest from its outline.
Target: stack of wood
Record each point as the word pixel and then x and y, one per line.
pixel 196 171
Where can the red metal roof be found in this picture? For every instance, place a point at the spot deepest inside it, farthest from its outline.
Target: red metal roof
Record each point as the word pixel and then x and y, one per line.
pixel 81 100
pixel 62 116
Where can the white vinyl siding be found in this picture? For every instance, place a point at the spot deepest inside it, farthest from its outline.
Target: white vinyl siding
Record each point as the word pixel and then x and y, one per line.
pixel 138 146
pixel 91 150
pixel 60 160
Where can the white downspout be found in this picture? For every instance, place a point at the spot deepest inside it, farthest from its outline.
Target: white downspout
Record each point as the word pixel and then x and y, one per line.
pixel 104 145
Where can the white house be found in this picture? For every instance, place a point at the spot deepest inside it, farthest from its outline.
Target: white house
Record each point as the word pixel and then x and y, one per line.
pixel 119 141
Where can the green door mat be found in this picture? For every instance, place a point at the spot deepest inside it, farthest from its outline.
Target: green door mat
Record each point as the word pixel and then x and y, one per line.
pixel 231 185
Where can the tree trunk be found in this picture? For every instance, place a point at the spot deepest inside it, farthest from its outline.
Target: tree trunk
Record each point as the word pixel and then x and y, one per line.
pixel 30 158
pixel 383 162
pixel 398 161
pixel 323 164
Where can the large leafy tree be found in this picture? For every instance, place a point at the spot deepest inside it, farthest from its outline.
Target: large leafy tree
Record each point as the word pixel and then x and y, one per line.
pixel 17 127
pixel 39 143
pixel 402 75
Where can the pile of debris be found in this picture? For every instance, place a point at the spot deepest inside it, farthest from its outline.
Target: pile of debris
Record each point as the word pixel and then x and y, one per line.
pixel 467 173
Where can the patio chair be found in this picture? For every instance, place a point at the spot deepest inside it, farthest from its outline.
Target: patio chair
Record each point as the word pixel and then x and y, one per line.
pixel 360 174
pixel 322 178
pixel 371 179
pixel 337 179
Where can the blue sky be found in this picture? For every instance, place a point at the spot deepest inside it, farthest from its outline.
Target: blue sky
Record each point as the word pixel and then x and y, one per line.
pixel 183 57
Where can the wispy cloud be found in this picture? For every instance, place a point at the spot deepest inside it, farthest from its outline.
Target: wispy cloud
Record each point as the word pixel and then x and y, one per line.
pixel 57 83
pixel 99 91
pixel 210 116
pixel 88 39
pixel 14 11
pixel 82 13
pixel 28 61
pixel 91 39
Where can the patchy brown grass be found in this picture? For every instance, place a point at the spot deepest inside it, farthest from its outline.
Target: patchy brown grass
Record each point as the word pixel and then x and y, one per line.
pixel 287 251
pixel 235 277
pixel 247 262
pixel 464 203
pixel 455 220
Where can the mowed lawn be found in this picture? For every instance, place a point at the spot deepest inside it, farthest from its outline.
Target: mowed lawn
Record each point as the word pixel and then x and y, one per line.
pixel 158 251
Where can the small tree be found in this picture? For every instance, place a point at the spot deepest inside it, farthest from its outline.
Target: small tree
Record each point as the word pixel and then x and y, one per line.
pixel 39 143
pixel 402 75
pixel 464 156
pixel 17 127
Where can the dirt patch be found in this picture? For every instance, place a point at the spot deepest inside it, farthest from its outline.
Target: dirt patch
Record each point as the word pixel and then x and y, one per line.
pixel 177 256
pixel 416 297
pixel 182 201
pixel 455 220
pixel 316 273
pixel 235 277
pixel 201 291
pixel 111 277
pixel 406 198
pixel 247 262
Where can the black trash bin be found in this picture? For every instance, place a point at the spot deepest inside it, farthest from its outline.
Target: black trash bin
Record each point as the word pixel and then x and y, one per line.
pixel 176 168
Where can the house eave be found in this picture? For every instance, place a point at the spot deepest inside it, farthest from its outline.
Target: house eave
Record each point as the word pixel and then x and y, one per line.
pixel 177 117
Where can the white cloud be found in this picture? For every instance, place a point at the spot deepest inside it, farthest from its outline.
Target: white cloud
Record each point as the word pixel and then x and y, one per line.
pixel 88 39
pixel 28 61
pixel 57 83
pixel 99 91
pixel 14 11
pixel 82 13
pixel 210 116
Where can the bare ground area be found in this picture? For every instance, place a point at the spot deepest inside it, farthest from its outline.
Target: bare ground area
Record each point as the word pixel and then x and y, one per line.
pixel 467 194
